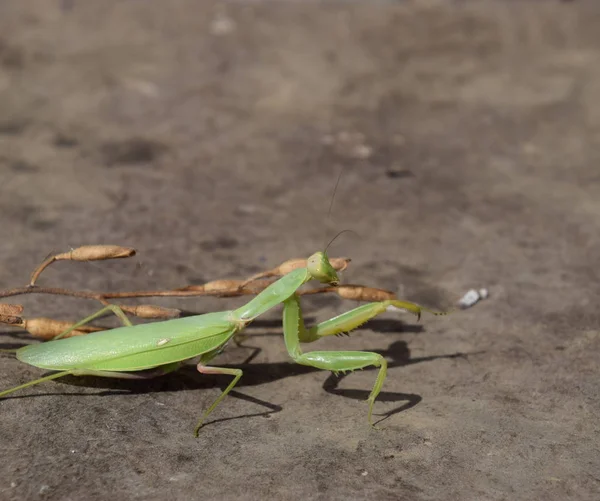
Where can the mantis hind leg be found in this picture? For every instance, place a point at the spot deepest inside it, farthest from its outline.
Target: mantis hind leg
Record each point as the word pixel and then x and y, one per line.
pixel 205 369
pixel 147 374
pixel 335 361
pixel 76 372
pixel 34 382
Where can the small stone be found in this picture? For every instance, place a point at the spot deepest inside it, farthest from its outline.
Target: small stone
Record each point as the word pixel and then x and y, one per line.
pixel 469 299
pixel 472 297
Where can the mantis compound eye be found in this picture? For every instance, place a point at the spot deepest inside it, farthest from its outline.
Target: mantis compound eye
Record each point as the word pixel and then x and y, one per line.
pixel 320 268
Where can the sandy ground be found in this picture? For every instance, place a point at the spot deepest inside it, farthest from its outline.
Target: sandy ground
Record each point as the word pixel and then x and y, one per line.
pixel 209 137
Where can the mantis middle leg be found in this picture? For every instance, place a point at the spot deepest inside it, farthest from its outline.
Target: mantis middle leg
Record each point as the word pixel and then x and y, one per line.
pixel 205 369
pixel 109 307
pixel 147 374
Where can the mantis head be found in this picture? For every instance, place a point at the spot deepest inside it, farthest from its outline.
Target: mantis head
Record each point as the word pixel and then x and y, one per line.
pixel 320 269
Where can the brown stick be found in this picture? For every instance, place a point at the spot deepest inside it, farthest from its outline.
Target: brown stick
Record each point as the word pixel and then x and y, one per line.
pixel 84 253
pixel 46 328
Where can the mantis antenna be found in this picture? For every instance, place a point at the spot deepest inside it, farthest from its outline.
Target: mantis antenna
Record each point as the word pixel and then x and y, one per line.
pixel 334 192
pixel 338 234
pixel 331 207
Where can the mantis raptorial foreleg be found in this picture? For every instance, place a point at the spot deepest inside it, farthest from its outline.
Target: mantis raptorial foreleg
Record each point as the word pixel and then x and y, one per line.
pixel 335 361
pixel 352 319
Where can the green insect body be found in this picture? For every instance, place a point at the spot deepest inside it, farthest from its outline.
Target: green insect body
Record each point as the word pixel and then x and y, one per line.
pixel 153 349
pixel 136 348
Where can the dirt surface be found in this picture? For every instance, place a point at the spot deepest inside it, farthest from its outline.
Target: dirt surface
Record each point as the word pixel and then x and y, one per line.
pixel 210 137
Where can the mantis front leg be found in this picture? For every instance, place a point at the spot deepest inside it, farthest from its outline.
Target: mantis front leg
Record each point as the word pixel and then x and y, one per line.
pixel 352 319
pixel 335 361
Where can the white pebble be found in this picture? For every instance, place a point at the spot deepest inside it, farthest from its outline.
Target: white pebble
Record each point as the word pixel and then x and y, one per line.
pixel 472 297
pixel 469 299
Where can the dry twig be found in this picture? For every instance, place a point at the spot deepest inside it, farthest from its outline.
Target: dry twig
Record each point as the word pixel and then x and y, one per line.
pixel 46 328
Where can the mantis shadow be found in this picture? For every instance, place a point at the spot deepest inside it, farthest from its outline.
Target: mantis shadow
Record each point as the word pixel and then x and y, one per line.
pixel 398 355
pixel 187 378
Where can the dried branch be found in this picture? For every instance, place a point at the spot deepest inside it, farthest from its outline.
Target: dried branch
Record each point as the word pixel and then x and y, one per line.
pixel 84 253
pixel 46 328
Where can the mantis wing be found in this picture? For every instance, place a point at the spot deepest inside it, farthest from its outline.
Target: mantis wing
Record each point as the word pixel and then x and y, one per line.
pixel 133 348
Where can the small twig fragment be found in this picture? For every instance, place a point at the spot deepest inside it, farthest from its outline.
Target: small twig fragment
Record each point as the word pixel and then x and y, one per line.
pixel 11 309
pixel 97 253
pixel 84 253
pixel 355 292
pixel 150 311
pixel 48 328
pixel 11 320
pixel 228 288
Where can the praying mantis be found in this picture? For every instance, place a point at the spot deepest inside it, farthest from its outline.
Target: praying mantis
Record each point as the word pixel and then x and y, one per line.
pixel 149 350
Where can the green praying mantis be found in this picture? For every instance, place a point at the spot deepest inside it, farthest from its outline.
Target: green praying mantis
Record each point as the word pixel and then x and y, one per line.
pixel 149 350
